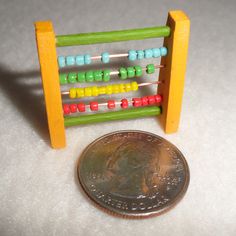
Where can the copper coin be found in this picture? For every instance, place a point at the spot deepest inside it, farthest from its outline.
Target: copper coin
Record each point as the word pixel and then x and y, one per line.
pixel 133 173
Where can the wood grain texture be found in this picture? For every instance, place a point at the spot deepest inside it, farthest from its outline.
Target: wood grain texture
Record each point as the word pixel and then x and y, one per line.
pixel 173 74
pixel 112 36
pixel 115 115
pixel 50 77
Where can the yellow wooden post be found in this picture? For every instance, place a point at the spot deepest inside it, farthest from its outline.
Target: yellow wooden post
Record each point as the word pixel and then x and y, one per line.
pixel 173 74
pixel 50 78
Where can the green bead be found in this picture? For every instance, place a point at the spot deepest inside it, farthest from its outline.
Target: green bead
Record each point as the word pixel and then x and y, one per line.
pixel 72 78
pixel 81 77
pixel 63 78
pixel 97 75
pixel 138 71
pixel 150 68
pixel 89 76
pixel 131 72
pixel 123 73
pixel 106 75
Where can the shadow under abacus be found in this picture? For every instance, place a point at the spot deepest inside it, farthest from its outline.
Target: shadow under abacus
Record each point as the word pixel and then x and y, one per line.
pixel 26 97
pixel 24 89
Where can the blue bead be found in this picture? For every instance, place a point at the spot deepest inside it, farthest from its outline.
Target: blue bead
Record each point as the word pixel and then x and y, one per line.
pixel 148 53
pixel 140 54
pixel 132 55
pixel 87 59
pixel 70 60
pixel 79 60
pixel 105 57
pixel 163 51
pixel 156 52
pixel 61 61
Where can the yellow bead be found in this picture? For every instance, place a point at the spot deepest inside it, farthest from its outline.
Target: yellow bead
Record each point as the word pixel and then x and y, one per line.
pixel 88 92
pixel 94 91
pixel 127 87
pixel 73 93
pixel 115 88
pixel 80 92
pixel 122 88
pixel 102 90
pixel 134 86
pixel 109 89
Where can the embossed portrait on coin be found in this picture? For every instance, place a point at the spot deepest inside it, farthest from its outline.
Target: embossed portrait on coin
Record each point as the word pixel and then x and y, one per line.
pixel 133 169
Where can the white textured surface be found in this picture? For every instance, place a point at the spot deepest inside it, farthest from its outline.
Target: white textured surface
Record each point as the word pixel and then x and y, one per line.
pixel 38 186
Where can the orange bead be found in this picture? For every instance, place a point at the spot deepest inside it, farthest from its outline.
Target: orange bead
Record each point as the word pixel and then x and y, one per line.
pixel 151 100
pixel 144 101
pixel 94 106
pixel 137 102
pixel 124 103
pixel 73 108
pixel 66 109
pixel 158 98
pixel 111 104
pixel 81 107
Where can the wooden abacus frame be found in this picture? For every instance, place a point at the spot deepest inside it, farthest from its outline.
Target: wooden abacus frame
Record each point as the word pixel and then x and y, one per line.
pixel 176 37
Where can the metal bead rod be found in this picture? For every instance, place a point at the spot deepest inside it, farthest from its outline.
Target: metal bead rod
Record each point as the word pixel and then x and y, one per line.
pixel 149 83
pixel 105 103
pixel 116 102
pixel 110 56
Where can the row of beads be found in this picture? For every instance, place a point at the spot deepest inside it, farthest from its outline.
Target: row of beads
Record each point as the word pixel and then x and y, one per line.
pixel 89 76
pixel 104 75
pixel 80 60
pixel 111 104
pixel 133 55
pixel 148 53
pixel 133 71
pixel 99 90
pixel 74 60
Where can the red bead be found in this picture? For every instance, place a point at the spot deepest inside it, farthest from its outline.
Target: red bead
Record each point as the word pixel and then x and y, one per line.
pixel 158 98
pixel 94 106
pixel 66 109
pixel 81 107
pixel 73 108
pixel 151 100
pixel 137 102
pixel 144 101
pixel 111 104
pixel 124 103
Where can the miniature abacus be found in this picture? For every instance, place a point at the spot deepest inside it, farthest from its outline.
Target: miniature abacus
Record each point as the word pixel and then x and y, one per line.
pixel 166 103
